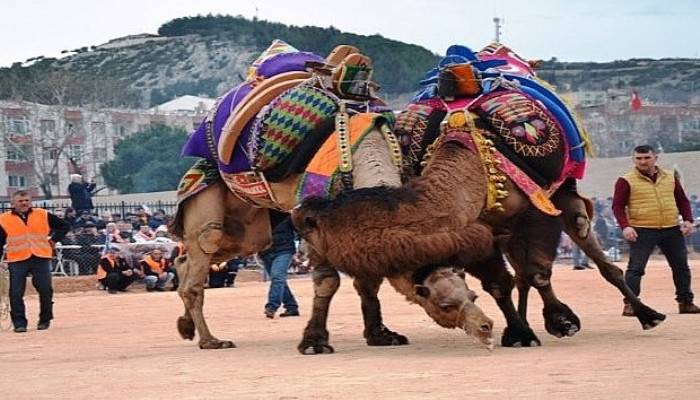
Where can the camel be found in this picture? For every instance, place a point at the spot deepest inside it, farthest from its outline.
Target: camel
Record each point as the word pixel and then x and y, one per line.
pixel 393 218
pixel 462 188
pixel 216 225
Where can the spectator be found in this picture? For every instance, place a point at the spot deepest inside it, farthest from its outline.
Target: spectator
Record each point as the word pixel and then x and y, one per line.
pixel 81 193
pixel 276 260
pixel 89 256
pixel 162 235
pixel 114 234
pixel 600 227
pixel 158 219
pixel 70 216
pixel 145 234
pixel 113 272
pixel 157 273
pixel 579 258
pixel 224 274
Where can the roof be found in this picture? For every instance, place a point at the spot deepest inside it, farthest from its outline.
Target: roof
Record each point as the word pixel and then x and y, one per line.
pixel 185 103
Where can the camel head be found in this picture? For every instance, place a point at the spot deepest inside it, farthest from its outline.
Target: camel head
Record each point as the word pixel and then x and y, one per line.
pixel 444 295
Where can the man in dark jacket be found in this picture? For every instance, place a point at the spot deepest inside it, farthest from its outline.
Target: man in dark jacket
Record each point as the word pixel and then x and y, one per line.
pixel 80 193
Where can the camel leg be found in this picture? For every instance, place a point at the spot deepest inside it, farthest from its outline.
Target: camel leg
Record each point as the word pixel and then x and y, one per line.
pixel 523 293
pixel 498 282
pixel 326 283
pixel 573 207
pixel 193 273
pixel 375 332
pixel 532 250
pixel 185 324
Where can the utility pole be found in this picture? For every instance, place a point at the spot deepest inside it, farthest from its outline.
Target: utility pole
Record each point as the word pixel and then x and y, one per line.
pixel 497 22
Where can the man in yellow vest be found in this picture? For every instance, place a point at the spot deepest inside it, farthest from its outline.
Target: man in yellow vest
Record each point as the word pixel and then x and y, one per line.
pixel 24 233
pixel 646 204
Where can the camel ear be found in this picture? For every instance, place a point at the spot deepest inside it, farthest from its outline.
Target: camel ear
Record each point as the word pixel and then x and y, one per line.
pixel 421 290
pixel 459 272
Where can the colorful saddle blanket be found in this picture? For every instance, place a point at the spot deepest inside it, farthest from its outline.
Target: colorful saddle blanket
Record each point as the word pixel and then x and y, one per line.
pixel 498 68
pixel 202 174
pixel 321 176
pixel 277 59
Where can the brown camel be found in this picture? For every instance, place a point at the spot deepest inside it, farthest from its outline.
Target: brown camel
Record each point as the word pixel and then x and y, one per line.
pixel 450 193
pixel 215 226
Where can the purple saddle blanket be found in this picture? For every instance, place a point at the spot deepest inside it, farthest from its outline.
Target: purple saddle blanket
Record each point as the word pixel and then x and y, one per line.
pixel 197 145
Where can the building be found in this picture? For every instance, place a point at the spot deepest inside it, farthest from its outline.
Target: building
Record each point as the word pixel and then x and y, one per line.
pixel 42 145
pixel 616 129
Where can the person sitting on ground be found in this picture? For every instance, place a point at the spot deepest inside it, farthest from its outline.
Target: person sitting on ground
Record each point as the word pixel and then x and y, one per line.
pixel 224 274
pixel 145 234
pixel 113 272
pixel 156 271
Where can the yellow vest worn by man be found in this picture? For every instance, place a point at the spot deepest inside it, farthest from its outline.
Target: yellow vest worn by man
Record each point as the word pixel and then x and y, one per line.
pixel 25 240
pixel 651 204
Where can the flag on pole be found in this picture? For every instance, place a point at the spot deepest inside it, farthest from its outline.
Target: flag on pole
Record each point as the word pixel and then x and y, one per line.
pixel 636 101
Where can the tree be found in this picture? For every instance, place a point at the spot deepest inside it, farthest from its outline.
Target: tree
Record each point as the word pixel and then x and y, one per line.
pixel 147 161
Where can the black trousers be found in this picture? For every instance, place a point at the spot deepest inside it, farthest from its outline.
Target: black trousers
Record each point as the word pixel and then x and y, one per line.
pixel 40 270
pixel 118 281
pixel 672 244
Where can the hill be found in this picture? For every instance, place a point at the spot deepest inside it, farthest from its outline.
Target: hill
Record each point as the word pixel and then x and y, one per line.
pixel 203 55
pixel 206 55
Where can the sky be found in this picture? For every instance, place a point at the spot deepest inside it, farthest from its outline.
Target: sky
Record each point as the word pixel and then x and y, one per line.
pixel 570 30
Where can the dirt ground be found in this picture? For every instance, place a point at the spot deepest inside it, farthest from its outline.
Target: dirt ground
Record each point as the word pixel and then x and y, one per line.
pixel 125 346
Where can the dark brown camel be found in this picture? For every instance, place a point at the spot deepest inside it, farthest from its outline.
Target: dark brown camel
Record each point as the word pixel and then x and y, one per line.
pixel 452 191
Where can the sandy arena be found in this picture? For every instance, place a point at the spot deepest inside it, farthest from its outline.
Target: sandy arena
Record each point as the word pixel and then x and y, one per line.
pixel 126 346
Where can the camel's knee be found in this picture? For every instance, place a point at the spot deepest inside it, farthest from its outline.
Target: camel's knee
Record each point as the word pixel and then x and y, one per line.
pixel 209 239
pixel 539 278
pixel 498 289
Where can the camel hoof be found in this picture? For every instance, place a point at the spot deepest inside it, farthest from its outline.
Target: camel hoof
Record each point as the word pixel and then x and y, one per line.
pixel 561 321
pixel 386 337
pixel 647 316
pixel 216 344
pixel 185 327
pixel 523 337
pixel 310 347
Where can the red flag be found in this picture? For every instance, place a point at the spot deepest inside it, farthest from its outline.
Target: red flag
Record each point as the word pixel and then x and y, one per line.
pixel 636 102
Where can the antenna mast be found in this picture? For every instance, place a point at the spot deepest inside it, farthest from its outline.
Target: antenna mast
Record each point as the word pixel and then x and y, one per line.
pixel 498 23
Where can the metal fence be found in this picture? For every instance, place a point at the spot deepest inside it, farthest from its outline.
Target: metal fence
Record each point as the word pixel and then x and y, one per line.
pixel 121 208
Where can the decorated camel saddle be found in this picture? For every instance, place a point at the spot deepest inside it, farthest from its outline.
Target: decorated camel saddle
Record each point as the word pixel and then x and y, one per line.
pixel 493 103
pixel 276 122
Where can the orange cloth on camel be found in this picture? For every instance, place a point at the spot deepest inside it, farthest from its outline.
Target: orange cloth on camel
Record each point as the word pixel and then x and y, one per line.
pixel 325 162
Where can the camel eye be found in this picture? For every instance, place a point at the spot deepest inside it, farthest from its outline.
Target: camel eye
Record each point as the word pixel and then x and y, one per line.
pixel 448 307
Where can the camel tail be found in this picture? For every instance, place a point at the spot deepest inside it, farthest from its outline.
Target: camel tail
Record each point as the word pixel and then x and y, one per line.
pixel 176 227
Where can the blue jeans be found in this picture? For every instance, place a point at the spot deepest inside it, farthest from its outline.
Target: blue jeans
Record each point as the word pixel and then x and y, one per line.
pixel 40 269
pixel 276 266
pixel 153 281
pixel 579 257
pixel 672 245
